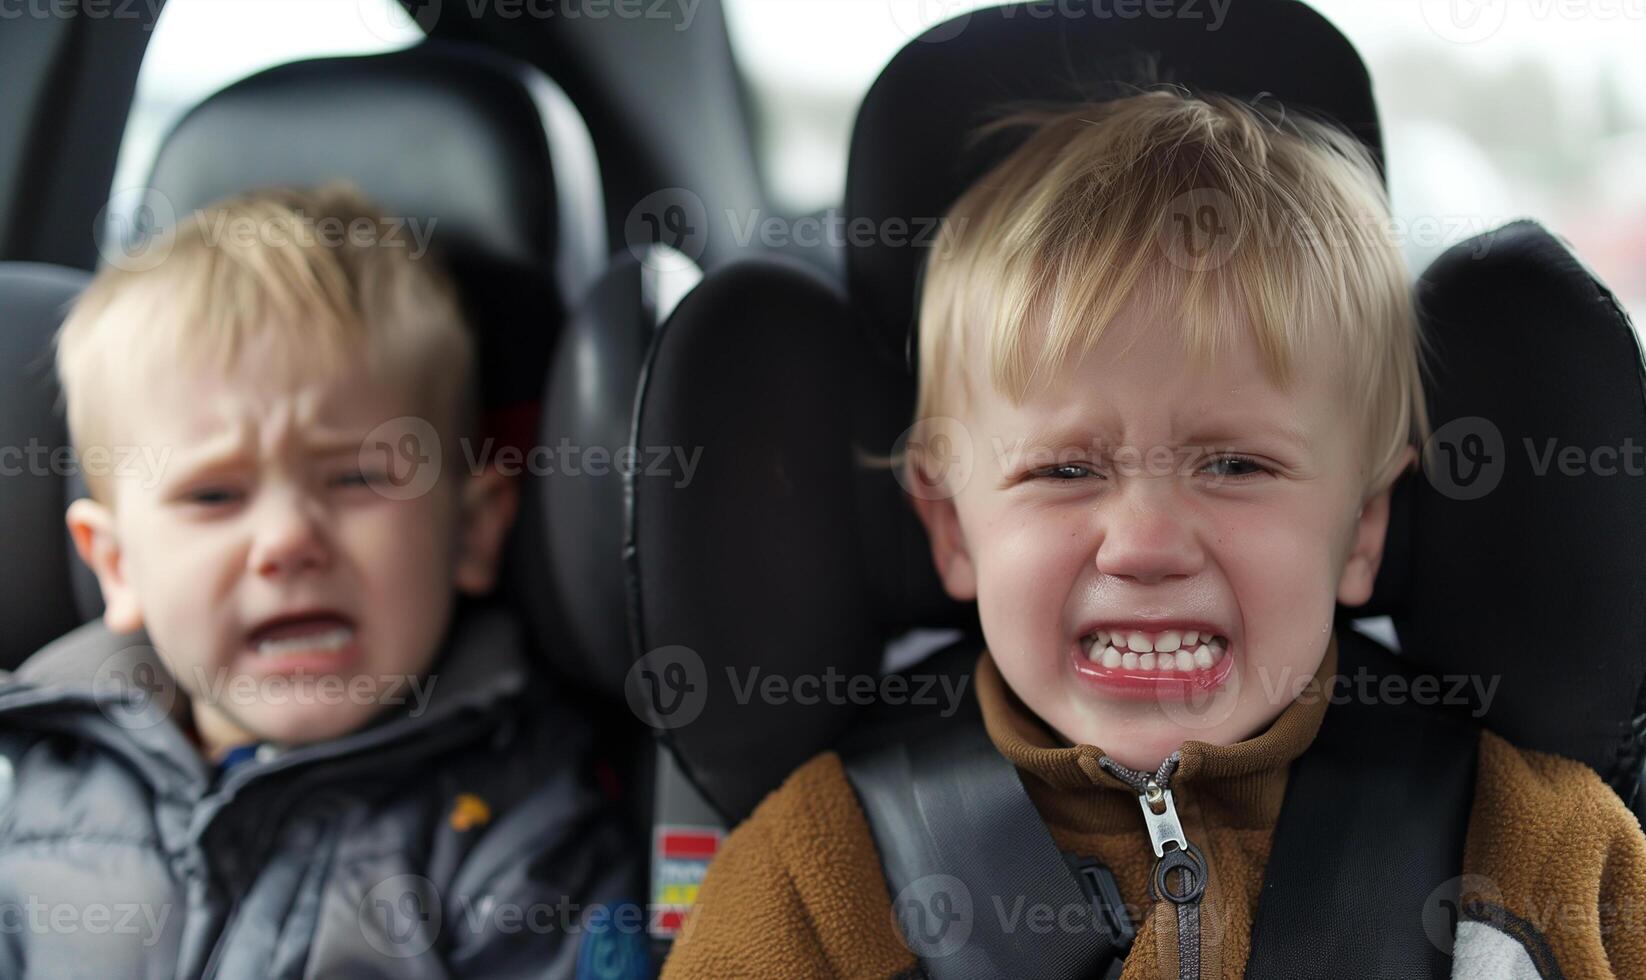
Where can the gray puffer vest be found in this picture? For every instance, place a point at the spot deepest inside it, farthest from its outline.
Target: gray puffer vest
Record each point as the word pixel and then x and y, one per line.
pixel 458 835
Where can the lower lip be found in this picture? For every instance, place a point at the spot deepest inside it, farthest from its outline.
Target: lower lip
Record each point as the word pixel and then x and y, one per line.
pixel 1151 685
pixel 303 662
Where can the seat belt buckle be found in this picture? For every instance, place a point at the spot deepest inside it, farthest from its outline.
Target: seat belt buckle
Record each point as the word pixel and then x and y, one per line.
pixel 1099 884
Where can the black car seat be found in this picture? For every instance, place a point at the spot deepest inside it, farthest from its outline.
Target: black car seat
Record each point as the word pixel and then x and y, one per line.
pixel 35 584
pixel 787 554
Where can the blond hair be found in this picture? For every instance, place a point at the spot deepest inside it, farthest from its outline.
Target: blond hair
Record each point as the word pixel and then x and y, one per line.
pixel 1184 207
pixel 321 275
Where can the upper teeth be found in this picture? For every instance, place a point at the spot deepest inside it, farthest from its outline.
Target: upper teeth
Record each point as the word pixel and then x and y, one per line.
pixel 335 638
pixel 1183 650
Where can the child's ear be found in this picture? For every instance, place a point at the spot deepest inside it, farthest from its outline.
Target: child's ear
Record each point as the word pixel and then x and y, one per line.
pixel 1371 532
pixel 91 525
pixel 954 562
pixel 490 501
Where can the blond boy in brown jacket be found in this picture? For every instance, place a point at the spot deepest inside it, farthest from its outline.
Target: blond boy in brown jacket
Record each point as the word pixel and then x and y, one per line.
pixel 1175 348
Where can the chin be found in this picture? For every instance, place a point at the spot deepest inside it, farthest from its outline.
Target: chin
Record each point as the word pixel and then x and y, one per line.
pixel 305 729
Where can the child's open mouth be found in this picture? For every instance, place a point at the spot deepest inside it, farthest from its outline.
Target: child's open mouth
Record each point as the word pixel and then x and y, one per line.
pixel 309 642
pixel 1153 663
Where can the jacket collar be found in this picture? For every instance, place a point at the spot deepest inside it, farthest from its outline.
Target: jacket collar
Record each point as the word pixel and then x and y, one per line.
pixel 1245 780
pixel 112 688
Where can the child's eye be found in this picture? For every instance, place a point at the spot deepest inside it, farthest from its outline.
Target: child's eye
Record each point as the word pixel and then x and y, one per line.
pixel 1064 471
pixel 358 478
pixel 1229 468
pixel 1253 467
pixel 212 496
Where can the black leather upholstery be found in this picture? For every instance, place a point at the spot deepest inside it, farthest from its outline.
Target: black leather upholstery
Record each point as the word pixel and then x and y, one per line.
pixel 909 153
pixel 34 580
pixel 484 145
pixel 579 507
pixel 760 563
pixel 1536 580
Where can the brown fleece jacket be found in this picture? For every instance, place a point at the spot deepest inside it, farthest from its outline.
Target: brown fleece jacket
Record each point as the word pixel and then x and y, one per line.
pixel 1554 866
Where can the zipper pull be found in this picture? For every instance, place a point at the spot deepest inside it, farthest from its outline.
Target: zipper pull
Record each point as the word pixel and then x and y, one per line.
pixel 1164 827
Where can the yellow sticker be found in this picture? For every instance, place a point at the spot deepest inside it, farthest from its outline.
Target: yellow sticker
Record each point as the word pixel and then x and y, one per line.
pixel 679 894
pixel 470 812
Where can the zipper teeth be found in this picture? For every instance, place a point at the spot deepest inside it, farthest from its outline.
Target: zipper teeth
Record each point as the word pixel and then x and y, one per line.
pixel 1139 781
pixel 1188 914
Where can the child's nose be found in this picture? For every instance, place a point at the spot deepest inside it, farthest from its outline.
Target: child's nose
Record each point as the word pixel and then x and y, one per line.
pixel 288 537
pixel 1146 536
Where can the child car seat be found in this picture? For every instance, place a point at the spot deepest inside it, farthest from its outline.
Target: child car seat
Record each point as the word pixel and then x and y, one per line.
pixel 35 585
pixel 788 556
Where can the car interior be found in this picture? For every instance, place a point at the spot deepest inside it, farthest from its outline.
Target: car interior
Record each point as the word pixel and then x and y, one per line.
pixel 554 154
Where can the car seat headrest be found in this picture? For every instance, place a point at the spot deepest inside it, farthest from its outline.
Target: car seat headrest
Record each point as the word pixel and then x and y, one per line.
pixel 35 585
pixel 486 148
pixel 910 156
pixel 482 150
pixel 1516 559
pixel 756 567
pixel 588 412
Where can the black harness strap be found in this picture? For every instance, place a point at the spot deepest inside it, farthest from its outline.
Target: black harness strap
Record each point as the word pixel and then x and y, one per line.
pixel 979 888
pixel 1364 872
